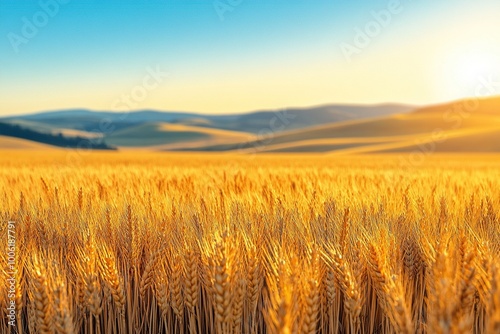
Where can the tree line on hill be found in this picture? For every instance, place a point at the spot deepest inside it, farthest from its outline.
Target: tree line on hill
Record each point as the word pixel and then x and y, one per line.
pixel 13 130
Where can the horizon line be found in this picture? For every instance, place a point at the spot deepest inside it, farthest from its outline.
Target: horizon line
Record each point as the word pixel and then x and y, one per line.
pixel 346 104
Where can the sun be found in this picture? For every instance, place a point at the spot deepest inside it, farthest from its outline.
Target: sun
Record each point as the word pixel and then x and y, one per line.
pixel 472 67
pixel 461 72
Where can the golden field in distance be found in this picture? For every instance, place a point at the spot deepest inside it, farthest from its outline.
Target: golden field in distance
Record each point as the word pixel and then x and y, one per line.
pixel 137 242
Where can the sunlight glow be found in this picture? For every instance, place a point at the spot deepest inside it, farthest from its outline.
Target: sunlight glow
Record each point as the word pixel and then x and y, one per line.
pixel 471 67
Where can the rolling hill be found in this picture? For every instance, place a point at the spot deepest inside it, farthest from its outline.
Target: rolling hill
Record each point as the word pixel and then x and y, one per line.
pixel 166 136
pixel 459 126
pixel 51 129
pixel 253 122
pixel 460 129
pixel 22 144
pixel 20 132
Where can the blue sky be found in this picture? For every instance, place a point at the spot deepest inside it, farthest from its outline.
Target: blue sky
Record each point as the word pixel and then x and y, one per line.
pixel 263 54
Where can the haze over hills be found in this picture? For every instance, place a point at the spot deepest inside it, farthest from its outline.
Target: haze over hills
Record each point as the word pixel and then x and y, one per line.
pixel 458 126
pixel 252 122
pixel 152 129
pixel 452 127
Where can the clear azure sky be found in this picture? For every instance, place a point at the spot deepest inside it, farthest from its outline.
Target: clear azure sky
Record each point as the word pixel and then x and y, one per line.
pixel 228 56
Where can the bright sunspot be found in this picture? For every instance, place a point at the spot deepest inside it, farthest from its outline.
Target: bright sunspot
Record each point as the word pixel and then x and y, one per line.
pixel 462 71
pixel 471 67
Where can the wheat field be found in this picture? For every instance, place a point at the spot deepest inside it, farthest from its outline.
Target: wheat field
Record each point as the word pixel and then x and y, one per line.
pixel 189 243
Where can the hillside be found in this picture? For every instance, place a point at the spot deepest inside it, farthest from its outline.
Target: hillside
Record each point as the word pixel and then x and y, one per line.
pixel 22 144
pixel 464 131
pixel 172 136
pixel 251 122
pixel 16 131
pixel 338 129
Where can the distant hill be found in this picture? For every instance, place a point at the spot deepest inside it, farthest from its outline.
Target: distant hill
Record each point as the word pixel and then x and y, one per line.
pixel 163 136
pixel 462 127
pixel 253 122
pixel 20 144
pixel 485 106
pixel 17 131
pixel 476 130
